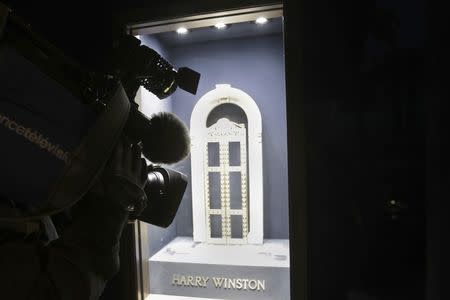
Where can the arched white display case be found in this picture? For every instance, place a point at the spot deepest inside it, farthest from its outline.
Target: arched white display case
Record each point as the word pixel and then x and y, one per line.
pixel 200 136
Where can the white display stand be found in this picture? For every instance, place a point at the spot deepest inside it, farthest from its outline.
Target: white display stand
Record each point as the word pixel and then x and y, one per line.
pixel 184 268
pixel 169 297
pixel 252 216
pixel 272 253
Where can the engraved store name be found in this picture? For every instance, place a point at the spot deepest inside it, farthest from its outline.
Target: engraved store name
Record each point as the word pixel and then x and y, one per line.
pixel 225 133
pixel 219 282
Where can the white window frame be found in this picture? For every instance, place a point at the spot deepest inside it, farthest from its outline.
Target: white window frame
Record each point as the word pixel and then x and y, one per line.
pixel 224 93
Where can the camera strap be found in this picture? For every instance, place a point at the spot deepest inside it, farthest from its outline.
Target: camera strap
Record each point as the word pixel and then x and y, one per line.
pixel 90 158
pixel 86 164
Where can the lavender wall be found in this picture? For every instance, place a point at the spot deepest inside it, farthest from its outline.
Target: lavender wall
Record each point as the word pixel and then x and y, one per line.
pixel 150 104
pixel 256 66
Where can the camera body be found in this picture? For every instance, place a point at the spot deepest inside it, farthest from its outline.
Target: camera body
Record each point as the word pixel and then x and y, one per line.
pixel 60 122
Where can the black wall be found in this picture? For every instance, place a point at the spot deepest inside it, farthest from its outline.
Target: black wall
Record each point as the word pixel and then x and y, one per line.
pixel 438 163
pixel 360 80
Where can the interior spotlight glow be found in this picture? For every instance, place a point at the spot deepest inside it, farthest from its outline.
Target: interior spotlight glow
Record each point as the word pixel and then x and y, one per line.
pixel 182 30
pixel 221 25
pixel 261 20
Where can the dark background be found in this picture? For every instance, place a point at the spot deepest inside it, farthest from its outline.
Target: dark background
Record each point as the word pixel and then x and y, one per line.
pixel 367 104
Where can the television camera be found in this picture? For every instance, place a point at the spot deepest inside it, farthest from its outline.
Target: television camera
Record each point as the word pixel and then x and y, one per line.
pixel 62 120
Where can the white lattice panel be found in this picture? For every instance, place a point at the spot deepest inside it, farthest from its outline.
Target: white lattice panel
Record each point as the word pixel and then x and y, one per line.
pixel 224 132
pixel 250 169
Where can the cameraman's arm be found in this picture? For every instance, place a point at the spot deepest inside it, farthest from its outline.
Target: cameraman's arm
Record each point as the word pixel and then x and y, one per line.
pixel 72 267
pixel 78 265
pixel 89 248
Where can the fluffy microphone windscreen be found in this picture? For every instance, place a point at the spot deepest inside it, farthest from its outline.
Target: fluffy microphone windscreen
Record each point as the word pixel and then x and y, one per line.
pixel 170 142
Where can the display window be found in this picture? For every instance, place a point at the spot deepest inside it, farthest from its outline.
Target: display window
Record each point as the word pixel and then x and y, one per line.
pixel 230 236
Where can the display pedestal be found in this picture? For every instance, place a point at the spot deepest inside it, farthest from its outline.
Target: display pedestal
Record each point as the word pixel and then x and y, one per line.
pixel 190 269
pixel 168 297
